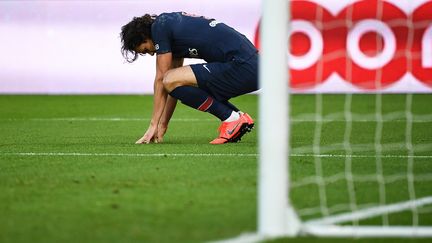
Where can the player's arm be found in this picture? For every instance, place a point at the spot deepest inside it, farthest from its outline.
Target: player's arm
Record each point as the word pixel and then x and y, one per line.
pixel 171 101
pixel 170 106
pixel 163 64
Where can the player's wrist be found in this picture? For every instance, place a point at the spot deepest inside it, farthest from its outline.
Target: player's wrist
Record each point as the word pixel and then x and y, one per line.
pixel 163 123
pixel 153 124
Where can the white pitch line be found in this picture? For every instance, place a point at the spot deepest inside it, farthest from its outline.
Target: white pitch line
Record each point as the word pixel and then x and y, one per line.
pixel 126 154
pixel 76 154
pixel 243 238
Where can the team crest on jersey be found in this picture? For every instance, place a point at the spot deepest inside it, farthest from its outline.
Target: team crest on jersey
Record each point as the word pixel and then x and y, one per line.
pixel 193 52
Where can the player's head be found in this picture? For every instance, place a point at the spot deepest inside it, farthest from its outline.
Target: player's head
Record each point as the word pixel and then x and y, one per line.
pixel 146 47
pixel 136 37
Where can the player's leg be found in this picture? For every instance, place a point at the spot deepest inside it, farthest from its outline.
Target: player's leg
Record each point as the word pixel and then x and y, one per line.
pixel 184 76
pixel 182 84
pixel 228 80
pixel 231 105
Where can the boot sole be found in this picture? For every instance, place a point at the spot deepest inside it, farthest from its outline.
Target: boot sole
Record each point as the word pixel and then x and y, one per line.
pixel 245 128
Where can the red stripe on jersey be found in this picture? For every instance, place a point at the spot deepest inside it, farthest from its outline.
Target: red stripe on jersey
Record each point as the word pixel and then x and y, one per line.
pixel 206 105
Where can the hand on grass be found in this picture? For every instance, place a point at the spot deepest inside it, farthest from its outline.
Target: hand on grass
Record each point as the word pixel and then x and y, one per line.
pixel 161 132
pixel 149 136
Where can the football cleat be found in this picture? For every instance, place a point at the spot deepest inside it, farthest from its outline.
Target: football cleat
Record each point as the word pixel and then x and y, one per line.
pixel 231 132
pixel 250 121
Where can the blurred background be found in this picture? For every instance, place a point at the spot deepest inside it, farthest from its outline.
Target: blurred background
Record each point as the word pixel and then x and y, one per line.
pixel 55 47
pixel 73 47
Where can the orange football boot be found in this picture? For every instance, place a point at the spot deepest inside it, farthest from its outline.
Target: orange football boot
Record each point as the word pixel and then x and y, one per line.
pixel 231 132
pixel 249 120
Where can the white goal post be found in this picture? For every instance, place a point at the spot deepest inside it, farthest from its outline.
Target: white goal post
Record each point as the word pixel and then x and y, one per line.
pixel 276 215
pixel 273 190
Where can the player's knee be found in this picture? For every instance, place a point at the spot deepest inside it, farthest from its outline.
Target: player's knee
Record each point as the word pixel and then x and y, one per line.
pixel 169 81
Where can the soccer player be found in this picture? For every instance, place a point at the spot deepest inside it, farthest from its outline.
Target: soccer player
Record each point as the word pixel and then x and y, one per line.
pixel 230 70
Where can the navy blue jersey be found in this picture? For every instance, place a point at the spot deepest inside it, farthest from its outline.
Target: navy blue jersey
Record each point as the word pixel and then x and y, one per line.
pixel 188 36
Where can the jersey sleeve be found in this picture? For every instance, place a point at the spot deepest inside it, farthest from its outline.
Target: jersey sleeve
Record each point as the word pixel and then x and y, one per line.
pixel 161 34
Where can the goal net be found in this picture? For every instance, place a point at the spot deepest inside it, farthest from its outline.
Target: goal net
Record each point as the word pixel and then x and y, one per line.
pixel 359 158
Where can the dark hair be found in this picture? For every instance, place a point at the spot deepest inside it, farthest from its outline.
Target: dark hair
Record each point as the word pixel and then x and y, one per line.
pixel 133 34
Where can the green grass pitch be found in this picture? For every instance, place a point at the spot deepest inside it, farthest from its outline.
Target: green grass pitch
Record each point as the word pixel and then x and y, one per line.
pixel 70 171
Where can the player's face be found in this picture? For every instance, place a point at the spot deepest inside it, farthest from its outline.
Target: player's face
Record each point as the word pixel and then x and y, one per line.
pixel 147 47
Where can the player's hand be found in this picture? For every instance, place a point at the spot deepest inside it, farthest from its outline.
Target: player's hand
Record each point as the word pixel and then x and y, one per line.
pixel 149 136
pixel 161 132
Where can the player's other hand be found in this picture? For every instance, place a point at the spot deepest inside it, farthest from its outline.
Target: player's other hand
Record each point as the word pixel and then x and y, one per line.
pixel 160 133
pixel 149 136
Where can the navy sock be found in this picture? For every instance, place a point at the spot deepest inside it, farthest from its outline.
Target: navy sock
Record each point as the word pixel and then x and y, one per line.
pixel 199 99
pixel 233 107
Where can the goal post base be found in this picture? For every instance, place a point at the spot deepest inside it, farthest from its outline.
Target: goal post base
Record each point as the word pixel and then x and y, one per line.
pixel 294 223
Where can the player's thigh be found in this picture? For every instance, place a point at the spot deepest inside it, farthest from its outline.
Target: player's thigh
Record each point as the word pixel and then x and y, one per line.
pixel 227 80
pixel 181 76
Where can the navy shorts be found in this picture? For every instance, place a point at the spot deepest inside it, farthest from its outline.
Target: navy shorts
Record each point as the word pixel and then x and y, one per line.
pixel 227 80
